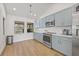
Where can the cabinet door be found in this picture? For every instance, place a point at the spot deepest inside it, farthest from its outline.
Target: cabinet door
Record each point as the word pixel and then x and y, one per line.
pixel 56 43
pixel 38 37
pixel 41 37
pixel 68 17
pixel 42 23
pixel 59 17
pixel 35 36
pixel 66 47
pixel 50 19
pixel 63 18
pixel 62 44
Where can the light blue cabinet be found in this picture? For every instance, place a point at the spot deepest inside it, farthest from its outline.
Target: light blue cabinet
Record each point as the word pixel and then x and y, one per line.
pixel 66 46
pixel 64 18
pixel 38 37
pixel 56 43
pixel 42 23
pixel 50 17
pixel 62 44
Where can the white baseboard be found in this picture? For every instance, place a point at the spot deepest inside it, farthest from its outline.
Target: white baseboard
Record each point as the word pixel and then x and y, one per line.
pixel 21 40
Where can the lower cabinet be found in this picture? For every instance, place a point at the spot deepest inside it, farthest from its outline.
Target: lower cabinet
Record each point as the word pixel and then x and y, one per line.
pixel 55 43
pixel 62 44
pixel 66 47
pixel 38 37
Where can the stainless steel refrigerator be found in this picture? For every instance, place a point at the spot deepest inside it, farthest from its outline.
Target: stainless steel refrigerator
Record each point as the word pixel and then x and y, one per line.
pixel 75 43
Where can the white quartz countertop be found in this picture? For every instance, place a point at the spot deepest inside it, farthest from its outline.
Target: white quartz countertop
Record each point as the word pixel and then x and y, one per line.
pixel 69 36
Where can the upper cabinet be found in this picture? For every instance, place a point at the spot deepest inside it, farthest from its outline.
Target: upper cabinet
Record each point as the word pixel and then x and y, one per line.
pixel 64 18
pixel 50 21
pixel 61 18
pixel 42 23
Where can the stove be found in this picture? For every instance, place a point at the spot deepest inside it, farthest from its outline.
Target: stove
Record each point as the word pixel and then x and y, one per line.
pixel 47 39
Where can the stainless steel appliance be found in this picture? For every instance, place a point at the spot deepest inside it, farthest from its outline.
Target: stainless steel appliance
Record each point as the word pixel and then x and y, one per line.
pixel 75 43
pixel 50 23
pixel 47 39
pixel 77 8
pixel 77 32
pixel 67 32
pixel 9 40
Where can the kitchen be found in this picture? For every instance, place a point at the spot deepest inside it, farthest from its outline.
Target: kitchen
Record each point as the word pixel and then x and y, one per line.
pixel 54 29
pixel 55 32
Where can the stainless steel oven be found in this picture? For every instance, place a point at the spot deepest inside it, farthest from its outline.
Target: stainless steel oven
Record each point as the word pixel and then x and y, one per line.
pixel 47 40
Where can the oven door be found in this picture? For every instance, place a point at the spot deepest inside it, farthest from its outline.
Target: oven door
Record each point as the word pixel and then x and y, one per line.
pixel 47 40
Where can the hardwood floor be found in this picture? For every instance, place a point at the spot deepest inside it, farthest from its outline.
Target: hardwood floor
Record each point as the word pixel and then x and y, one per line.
pixel 29 48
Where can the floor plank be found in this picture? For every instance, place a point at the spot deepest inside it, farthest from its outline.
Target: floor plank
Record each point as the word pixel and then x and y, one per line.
pixel 29 48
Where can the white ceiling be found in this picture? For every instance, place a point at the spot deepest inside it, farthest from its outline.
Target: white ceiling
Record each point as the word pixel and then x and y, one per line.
pixel 23 10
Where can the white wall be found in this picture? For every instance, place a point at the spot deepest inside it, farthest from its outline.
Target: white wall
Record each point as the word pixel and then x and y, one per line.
pixel 10 28
pixel 2 37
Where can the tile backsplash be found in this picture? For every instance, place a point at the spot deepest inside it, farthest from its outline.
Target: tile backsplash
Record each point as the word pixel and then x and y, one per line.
pixel 57 30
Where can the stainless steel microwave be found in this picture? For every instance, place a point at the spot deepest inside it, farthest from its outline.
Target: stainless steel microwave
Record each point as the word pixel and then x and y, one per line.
pixel 50 23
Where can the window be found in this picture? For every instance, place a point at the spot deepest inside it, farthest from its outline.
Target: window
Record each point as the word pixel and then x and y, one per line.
pixel 19 27
pixel 30 27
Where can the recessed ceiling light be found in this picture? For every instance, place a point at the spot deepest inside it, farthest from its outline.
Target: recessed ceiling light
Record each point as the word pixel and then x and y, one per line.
pixel 35 15
pixel 14 9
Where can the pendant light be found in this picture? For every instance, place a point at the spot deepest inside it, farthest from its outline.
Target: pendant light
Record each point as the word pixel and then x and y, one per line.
pixel 31 12
pixel 30 9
